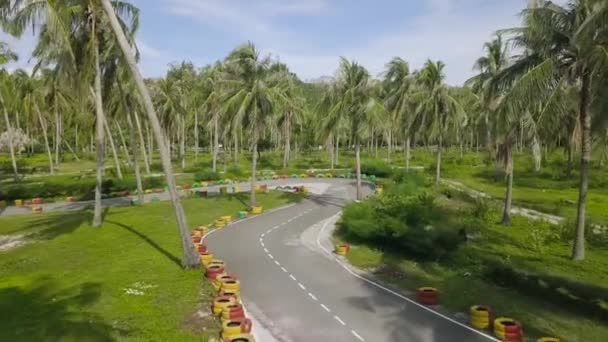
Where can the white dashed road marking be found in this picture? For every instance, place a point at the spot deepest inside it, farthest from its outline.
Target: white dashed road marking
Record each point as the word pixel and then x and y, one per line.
pixel 312 296
pixel 325 308
pixel 292 277
pixel 339 320
pixel 357 335
pixel 302 286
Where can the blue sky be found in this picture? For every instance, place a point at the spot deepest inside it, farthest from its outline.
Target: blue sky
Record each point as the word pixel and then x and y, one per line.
pixel 310 35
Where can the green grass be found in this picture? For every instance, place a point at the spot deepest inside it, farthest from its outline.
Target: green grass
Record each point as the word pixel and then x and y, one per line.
pixel 463 279
pixel 69 285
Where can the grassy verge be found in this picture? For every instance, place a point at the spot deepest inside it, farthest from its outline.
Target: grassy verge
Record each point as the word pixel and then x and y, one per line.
pixel 550 294
pixel 122 281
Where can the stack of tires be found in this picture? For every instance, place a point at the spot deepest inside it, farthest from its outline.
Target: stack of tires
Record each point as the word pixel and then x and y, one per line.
pixel 480 317
pixel 508 329
pixel 428 296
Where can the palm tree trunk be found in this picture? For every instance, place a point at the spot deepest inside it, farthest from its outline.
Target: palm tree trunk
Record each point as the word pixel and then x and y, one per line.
pixel 134 147
pixel 287 141
pixel 438 166
pixel 182 142
pixel 337 150
pixel 390 144
pixel 114 153
pixel 196 137
pixel 9 131
pixel 190 256
pixel 506 214
pixel 358 167
pixel 123 143
pixel 236 148
pixel 488 136
pixel 57 134
pixel 46 140
pixel 216 142
pixel 578 250
pixel 99 129
pixel 332 152
pixel 150 144
pixel 76 145
pixel 254 159
pixel 407 153
pixel 142 143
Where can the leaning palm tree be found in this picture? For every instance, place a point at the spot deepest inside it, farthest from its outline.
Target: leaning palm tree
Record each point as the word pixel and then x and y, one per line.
pixel 437 103
pixel 251 97
pixel 190 257
pixel 562 45
pixel 351 99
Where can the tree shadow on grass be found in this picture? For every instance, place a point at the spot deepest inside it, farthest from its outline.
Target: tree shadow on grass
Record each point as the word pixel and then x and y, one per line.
pixel 46 312
pixel 149 241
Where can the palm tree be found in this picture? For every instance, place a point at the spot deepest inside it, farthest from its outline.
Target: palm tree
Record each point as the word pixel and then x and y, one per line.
pixel 190 257
pixel 562 45
pixel 435 101
pixel 397 84
pixel 251 97
pixel 494 61
pixel 351 98
pixel 6 55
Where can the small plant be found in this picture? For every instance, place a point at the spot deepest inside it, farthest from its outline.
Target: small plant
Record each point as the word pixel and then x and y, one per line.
pixel 540 234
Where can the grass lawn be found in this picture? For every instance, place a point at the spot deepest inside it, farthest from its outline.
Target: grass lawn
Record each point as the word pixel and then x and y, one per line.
pixel 548 307
pixel 72 283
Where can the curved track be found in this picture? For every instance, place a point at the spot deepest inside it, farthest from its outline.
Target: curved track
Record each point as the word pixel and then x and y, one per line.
pixel 302 293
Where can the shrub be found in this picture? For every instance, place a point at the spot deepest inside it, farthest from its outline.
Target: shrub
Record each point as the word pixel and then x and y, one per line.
pixel 408 224
pixel 377 168
pixel 206 175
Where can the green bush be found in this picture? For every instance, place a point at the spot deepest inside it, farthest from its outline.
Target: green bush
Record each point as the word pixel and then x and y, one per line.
pixel 206 175
pixel 408 224
pixel 377 168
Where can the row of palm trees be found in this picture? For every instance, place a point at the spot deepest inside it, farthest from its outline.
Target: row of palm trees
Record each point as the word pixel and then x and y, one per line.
pixel 545 91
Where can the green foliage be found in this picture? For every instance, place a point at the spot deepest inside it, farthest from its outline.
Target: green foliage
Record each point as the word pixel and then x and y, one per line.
pixel 81 187
pixel 412 224
pixel 377 168
pixel 206 175
pixel 540 235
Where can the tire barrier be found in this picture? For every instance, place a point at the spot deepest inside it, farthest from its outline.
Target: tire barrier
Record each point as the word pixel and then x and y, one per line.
pixel 236 295
pixel 196 239
pixel 379 190
pixel 2 204
pixel 257 210
pixel 264 187
pixel 206 258
pixel 284 177
pixel 219 223
pixel 196 233
pixel 239 338
pixel 218 262
pixel 71 199
pixel 236 188
pixel 201 229
pixel 148 191
pixel 508 329
pixel 242 215
pixel 213 271
pixel 480 316
pixel 233 312
pixel 231 285
pixel 37 200
pixel 428 296
pixel 18 203
pixel 219 279
pixel 220 303
pixel 234 327
pixel 226 218
pixel 201 248
pixel 329 175
pixel 548 339
pixel 27 202
pixel 303 175
pixel 342 249
pixel 37 210
pixel 204 184
pixel 160 191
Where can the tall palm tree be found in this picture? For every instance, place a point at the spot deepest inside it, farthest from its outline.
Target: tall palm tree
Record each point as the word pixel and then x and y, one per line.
pixel 190 257
pixel 251 97
pixel 398 86
pixel 351 98
pixel 6 55
pixel 493 62
pixel 435 101
pixel 562 45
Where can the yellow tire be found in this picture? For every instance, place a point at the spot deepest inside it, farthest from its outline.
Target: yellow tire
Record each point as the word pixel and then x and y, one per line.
pixel 206 259
pixel 548 339
pixel 231 328
pixel 240 338
pixel 219 223
pixel 18 203
pixel 231 285
pixel 222 302
pixel 226 219
pixel 257 210
pixel 218 262
pixel 217 282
